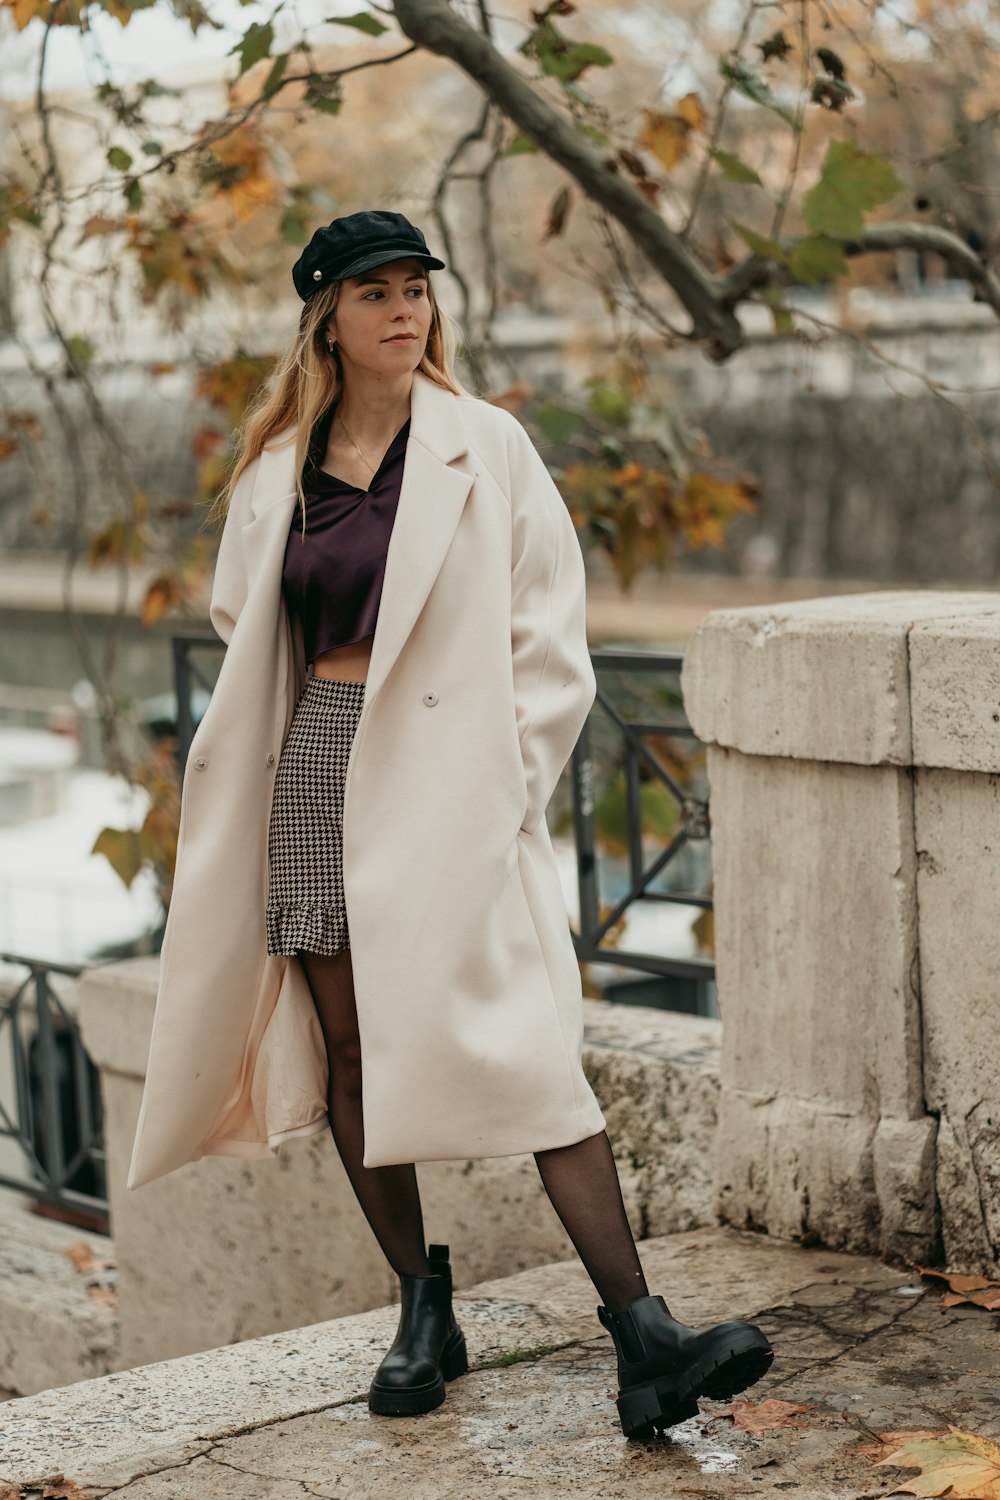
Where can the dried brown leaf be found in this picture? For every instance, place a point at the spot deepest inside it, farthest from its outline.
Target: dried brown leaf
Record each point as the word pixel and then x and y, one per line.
pixel 975 1291
pixel 757 1417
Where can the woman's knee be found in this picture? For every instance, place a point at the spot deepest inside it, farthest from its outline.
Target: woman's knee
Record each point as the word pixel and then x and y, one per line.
pixel 345 1066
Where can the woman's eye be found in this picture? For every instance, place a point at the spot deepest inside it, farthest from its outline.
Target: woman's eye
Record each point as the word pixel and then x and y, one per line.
pixel 377 293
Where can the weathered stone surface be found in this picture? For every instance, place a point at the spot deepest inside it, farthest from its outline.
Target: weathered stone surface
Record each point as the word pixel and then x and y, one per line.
pixel 955 691
pixel 958 886
pixel 856 934
pixel 820 679
pixel 861 1345
pixel 226 1249
pixel 815 919
pixel 52 1330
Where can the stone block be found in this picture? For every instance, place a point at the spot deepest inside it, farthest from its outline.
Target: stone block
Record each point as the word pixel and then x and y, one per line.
pixel 815 917
pixel 958 886
pixel 955 692
pixel 53 1332
pixel 822 679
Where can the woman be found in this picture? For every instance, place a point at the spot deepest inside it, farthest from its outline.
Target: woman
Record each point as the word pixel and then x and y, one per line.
pixel 402 595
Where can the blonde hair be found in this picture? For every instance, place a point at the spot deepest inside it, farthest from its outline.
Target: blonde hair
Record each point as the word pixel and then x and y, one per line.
pixel 305 380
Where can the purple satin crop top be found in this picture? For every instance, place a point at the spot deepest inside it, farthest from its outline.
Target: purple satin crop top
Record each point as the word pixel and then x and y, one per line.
pixel 332 576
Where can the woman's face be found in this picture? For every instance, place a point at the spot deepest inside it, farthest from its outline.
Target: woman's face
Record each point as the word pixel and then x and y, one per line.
pixel 374 309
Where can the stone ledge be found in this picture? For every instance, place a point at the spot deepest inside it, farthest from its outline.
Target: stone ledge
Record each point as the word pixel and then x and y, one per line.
pixel 829 679
pixel 104 1433
pixel 52 1332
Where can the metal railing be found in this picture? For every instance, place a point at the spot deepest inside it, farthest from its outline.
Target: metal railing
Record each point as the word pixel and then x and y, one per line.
pixel 631 750
pixel 616 759
pixel 54 1089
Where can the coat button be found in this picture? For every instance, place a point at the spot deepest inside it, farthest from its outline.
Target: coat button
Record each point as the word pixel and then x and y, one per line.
pixel 270 758
pixel 201 761
pixel 430 699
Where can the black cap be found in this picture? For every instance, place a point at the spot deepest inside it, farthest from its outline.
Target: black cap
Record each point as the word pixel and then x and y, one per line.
pixel 356 243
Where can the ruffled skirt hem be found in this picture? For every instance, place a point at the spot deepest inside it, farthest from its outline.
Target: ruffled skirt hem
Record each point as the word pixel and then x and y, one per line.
pixel 316 926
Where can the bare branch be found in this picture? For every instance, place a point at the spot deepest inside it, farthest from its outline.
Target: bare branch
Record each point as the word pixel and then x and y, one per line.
pixel 434 25
pixel 756 270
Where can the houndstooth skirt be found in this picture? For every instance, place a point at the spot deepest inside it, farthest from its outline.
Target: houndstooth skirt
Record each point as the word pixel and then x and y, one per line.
pixel 305 898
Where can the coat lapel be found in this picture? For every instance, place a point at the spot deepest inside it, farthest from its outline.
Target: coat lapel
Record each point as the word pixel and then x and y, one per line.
pixel 433 492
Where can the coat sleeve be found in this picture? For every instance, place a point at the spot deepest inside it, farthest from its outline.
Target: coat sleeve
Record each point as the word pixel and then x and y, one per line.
pixel 229 586
pixel 554 682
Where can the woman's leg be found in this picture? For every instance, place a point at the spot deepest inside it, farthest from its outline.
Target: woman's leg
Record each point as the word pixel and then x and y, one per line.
pixel 582 1184
pixel 389 1196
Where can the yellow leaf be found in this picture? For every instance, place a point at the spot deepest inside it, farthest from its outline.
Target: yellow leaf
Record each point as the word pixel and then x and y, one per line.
pixel 666 136
pixel 690 109
pixel 160 596
pixel 958 1464
pixel 120 847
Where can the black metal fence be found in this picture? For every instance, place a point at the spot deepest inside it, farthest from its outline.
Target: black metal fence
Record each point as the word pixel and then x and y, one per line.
pixel 642 830
pixel 57 1124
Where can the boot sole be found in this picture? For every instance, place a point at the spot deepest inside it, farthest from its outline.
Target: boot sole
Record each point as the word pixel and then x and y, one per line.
pixel 409 1401
pixel 645 1410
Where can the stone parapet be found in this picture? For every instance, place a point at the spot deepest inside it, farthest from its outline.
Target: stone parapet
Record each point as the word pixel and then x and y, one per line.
pixel 853 758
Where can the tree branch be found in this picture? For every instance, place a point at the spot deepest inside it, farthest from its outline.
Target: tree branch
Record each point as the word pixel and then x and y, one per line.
pixel 757 270
pixel 432 24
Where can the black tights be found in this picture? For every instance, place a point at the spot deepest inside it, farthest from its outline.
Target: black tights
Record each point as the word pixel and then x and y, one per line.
pixel 581 1180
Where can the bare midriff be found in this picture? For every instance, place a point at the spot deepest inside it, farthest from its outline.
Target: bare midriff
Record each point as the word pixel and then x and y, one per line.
pixel 345 663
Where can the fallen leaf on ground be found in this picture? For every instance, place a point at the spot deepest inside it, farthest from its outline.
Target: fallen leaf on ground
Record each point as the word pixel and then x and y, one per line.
pixel 52 1487
pixel 889 1442
pixel 980 1291
pixel 958 1464
pixel 763 1416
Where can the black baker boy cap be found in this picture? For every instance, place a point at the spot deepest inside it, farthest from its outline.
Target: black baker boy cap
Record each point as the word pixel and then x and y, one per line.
pixel 355 243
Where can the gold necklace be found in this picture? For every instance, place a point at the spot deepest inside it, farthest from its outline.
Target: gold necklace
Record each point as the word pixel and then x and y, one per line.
pixel 368 461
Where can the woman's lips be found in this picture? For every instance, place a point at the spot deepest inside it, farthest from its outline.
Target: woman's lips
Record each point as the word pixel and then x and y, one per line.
pixel 400 338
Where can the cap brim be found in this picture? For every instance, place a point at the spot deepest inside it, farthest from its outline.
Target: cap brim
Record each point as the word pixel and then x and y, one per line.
pixel 380 257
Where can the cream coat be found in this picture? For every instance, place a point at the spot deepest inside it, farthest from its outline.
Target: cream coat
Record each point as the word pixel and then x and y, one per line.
pixel 466 981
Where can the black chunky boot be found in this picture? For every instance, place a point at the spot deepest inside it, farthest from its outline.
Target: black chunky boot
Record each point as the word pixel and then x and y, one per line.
pixel 664 1366
pixel 429 1347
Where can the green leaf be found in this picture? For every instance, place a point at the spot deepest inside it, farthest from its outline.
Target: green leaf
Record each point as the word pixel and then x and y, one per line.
pixel 734 169
pixel 560 58
pixel 784 322
pixel 752 86
pixel 254 44
pixel 298 216
pixel 519 146
pixel 609 402
pixel 817 258
pixel 274 77
pixel 133 193
pixel 152 148
pixel 150 89
pixel 557 422
pixel 323 94
pixel 758 243
pixel 117 157
pixel 851 181
pixel 81 349
pixel 362 21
